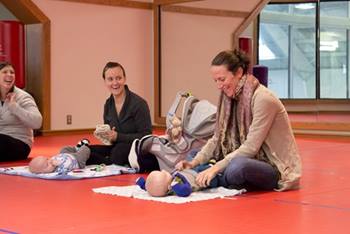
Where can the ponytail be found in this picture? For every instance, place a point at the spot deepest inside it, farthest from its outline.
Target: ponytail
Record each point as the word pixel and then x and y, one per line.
pixel 232 59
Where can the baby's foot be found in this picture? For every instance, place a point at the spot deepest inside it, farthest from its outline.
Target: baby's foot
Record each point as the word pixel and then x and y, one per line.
pixel 82 142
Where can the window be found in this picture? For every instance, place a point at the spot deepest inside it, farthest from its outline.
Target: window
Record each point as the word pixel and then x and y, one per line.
pixel 334 52
pixel 292 50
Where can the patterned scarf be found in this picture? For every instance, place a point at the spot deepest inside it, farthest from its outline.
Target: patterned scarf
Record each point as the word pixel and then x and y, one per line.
pixel 234 116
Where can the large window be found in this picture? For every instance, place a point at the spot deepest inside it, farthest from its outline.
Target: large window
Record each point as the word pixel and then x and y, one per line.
pixel 291 48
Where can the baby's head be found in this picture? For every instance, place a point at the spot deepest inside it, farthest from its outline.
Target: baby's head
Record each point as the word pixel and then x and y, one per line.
pixel 158 183
pixel 41 164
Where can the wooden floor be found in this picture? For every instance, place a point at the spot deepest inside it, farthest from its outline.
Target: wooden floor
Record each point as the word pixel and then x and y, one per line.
pixel 322 205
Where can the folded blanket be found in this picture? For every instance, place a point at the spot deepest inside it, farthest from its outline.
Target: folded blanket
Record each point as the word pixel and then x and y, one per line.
pixel 91 171
pixel 135 191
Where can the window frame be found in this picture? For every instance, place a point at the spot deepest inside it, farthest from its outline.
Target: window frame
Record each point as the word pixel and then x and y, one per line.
pixel 317 104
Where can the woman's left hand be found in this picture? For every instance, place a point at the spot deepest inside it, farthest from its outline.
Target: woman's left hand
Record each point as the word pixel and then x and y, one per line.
pixel 203 178
pixel 113 135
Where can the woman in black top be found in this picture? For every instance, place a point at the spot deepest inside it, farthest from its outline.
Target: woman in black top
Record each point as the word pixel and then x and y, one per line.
pixel 126 113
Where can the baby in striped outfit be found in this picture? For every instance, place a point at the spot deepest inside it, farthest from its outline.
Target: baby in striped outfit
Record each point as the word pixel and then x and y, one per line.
pixel 69 159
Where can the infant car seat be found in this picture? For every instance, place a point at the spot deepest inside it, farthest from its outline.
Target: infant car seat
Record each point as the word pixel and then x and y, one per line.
pixel 197 122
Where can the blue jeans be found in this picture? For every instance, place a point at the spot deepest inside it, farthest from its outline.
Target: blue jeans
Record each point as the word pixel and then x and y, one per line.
pixel 251 174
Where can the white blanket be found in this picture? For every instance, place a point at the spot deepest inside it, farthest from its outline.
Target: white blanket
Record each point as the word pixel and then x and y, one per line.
pixel 88 172
pixel 135 191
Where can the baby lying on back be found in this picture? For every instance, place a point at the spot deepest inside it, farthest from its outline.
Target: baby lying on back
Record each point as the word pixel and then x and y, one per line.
pixel 180 182
pixel 69 158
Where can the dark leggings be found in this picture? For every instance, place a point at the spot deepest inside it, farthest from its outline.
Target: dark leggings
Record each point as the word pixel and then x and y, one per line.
pixel 251 174
pixel 109 154
pixel 12 149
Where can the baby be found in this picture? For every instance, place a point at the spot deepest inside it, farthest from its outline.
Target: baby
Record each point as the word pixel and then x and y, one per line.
pixel 150 144
pixel 69 159
pixel 182 183
pixel 168 149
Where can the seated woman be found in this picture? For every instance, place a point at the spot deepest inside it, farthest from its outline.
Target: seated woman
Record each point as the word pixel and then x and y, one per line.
pixel 253 140
pixel 19 115
pixel 127 115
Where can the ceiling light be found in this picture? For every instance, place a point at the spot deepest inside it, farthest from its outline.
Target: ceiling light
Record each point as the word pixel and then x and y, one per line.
pixel 305 6
pixel 328 45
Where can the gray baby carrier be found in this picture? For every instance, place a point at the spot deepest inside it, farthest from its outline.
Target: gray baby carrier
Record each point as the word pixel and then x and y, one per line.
pixel 197 123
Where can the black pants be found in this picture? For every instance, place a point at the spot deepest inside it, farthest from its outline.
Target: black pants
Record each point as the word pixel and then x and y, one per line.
pixel 109 154
pixel 12 149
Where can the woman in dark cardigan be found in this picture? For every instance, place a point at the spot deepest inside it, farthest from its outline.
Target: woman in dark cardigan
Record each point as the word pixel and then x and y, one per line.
pixel 126 113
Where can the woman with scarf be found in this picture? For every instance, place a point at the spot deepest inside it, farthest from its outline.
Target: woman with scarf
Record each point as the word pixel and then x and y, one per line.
pixel 253 141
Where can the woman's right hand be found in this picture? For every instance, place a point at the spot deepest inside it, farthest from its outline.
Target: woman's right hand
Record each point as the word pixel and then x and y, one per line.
pixel 184 165
pixel 11 98
pixel 204 177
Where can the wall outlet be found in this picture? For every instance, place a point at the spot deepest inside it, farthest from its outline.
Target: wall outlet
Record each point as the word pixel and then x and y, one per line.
pixel 69 119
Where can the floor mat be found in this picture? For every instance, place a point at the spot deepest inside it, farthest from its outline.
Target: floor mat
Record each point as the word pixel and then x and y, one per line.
pixel 135 191
pixel 91 171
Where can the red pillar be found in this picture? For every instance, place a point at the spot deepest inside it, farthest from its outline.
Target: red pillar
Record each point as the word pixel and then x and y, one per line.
pixel 12 46
pixel 246 45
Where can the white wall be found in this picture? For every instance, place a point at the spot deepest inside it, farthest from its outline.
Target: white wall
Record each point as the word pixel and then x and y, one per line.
pixel 83 38
pixel 189 43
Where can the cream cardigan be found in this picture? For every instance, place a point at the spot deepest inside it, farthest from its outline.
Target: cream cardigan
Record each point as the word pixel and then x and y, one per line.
pixel 19 120
pixel 270 130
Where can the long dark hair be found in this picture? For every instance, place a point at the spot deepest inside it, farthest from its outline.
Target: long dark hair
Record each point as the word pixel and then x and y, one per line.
pixel 112 65
pixel 232 59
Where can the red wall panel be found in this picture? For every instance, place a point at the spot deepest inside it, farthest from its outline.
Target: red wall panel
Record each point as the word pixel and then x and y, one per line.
pixel 246 45
pixel 12 48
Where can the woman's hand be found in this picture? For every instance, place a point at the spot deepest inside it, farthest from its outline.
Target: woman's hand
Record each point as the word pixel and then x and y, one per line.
pixel 203 178
pixel 185 165
pixel 112 135
pixel 11 98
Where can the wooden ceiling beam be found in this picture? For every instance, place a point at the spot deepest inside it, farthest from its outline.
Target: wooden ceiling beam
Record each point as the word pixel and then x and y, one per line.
pixel 121 3
pixel 248 20
pixel 205 11
pixel 168 2
pixel 26 11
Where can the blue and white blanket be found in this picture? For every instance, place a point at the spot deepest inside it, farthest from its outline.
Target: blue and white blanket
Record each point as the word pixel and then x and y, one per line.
pixel 91 171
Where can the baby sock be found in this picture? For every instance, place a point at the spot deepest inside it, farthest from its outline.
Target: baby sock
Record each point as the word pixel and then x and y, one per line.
pixel 82 142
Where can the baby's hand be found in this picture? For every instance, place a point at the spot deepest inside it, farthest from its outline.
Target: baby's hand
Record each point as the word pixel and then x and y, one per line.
pixel 54 162
pixel 184 165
